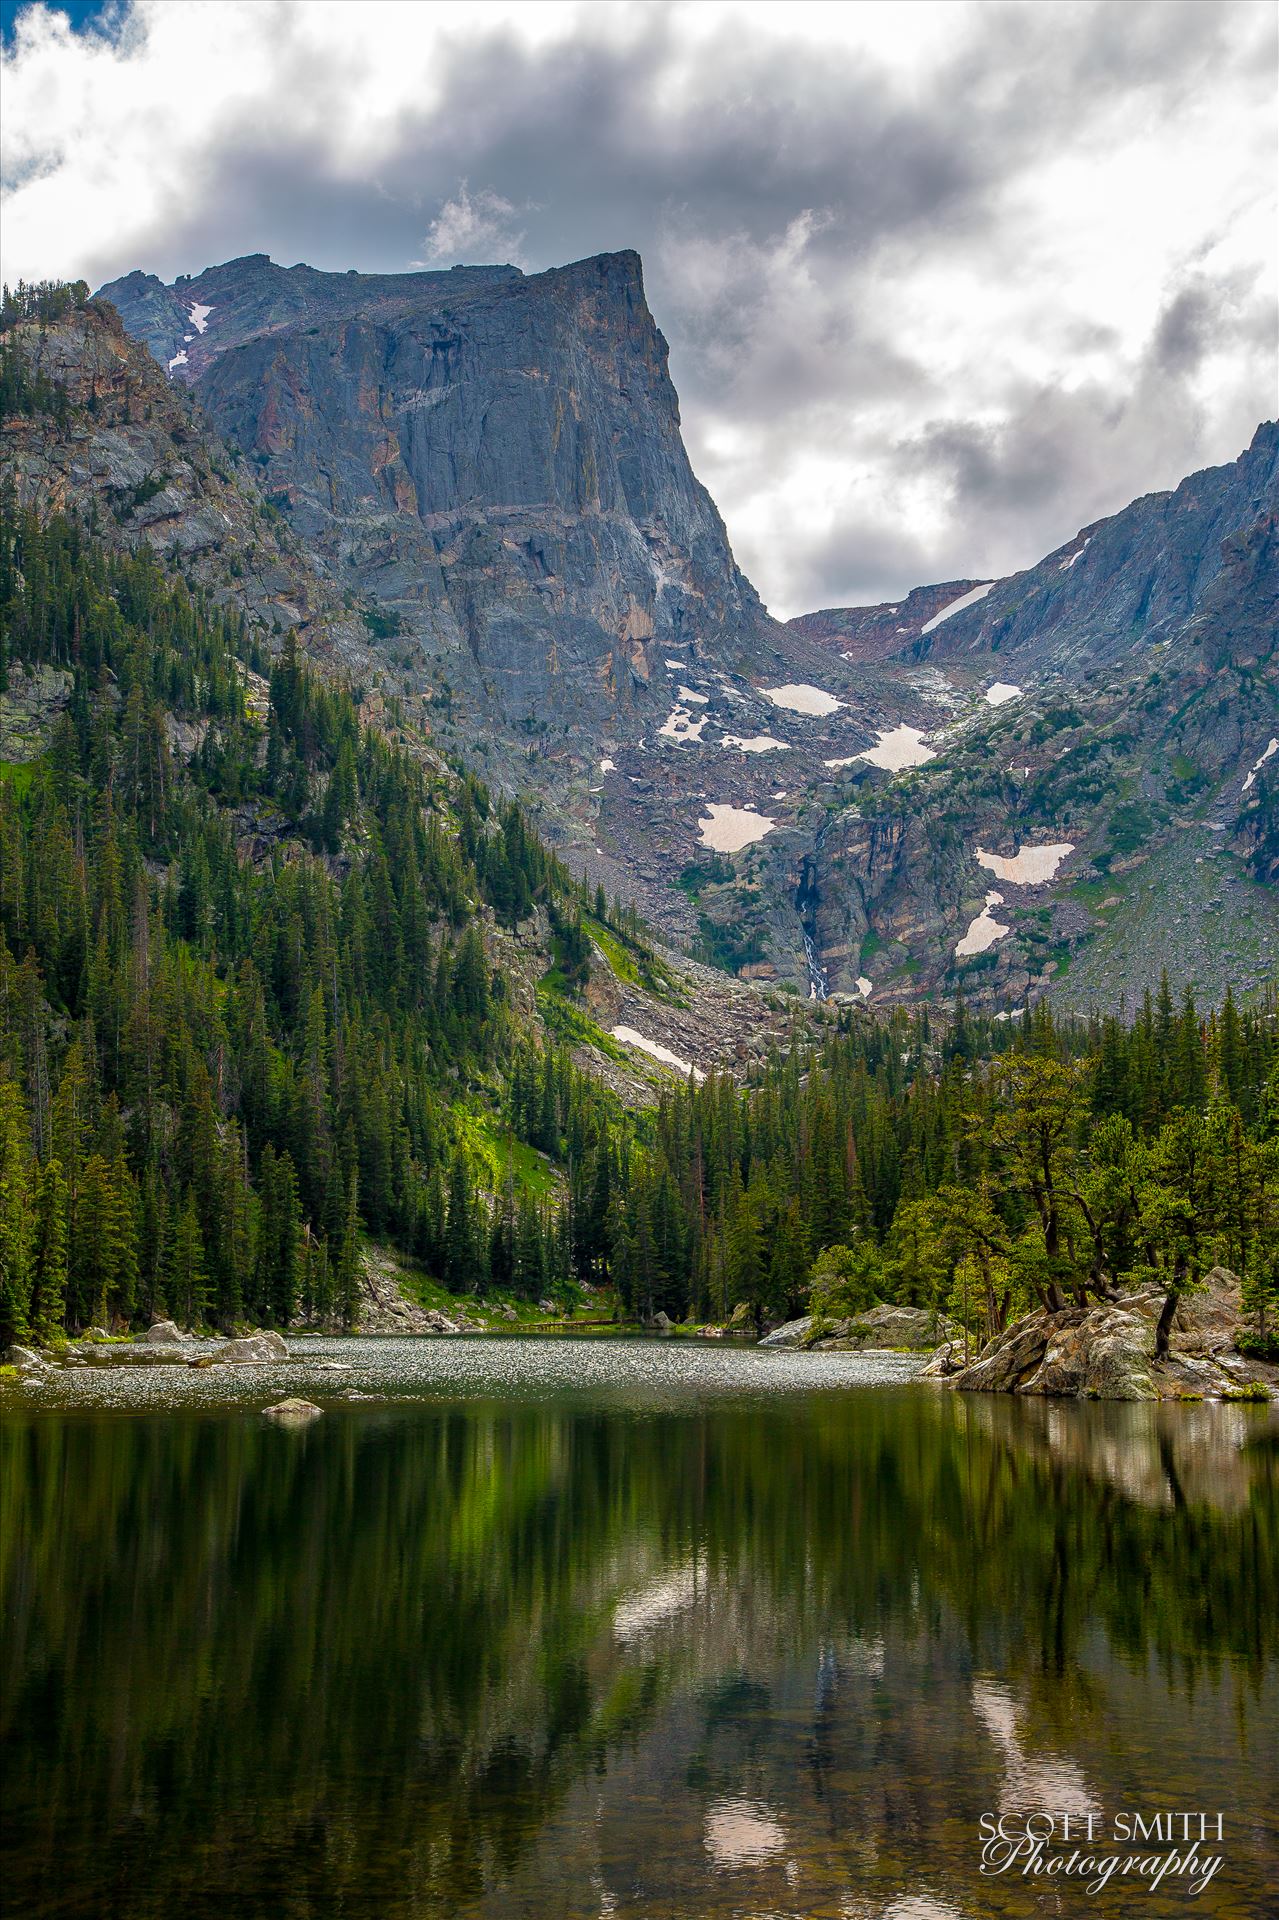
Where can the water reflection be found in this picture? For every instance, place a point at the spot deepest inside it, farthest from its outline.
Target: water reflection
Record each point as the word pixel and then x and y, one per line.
pixel 774 1654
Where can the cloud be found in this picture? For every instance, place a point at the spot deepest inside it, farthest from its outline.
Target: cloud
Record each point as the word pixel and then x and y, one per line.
pixel 470 228
pixel 941 282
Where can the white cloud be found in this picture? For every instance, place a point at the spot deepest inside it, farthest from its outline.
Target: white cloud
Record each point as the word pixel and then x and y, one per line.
pixel 473 228
pixel 942 284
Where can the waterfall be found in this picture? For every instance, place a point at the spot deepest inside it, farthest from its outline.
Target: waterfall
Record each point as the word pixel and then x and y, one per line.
pixel 807 900
pixel 817 982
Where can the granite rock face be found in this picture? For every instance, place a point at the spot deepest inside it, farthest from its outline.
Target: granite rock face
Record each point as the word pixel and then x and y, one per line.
pixel 495 458
pixel 141 463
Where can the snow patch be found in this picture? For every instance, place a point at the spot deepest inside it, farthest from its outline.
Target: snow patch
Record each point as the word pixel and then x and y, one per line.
pixel 1001 692
pixel 851 761
pixel 677 666
pixel 608 766
pixel 802 698
pixel 1029 866
pixel 1071 558
pixel 984 930
pixel 179 359
pixel 729 829
pixel 898 747
pixel 680 725
pixel 200 316
pixel 1011 1013
pixel 863 986
pixel 957 606
pixel 630 1038
pixel 1259 764
pixel 698 699
pixel 758 743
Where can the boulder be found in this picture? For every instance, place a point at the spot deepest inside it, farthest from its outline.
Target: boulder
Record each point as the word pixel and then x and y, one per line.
pixel 95 1333
pixel 793 1334
pixel 1011 1360
pixel 253 1349
pixel 1106 1355
pixel 741 1319
pixel 885 1328
pixel 661 1322
pixel 1107 1351
pixel 163 1333
pixel 291 1413
pixel 437 1322
pixel 26 1360
pixel 1208 1321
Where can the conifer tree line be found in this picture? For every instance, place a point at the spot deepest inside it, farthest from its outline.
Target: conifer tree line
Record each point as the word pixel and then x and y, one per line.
pixel 979 1171
pixel 242 993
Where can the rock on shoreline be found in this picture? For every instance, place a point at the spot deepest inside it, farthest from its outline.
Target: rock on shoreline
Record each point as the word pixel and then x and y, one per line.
pixel 1107 1351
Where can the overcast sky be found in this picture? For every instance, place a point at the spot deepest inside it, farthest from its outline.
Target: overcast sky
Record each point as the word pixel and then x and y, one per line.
pixel 942 283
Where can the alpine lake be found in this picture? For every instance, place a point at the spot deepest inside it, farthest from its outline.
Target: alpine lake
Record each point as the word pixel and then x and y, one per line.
pixel 631 1629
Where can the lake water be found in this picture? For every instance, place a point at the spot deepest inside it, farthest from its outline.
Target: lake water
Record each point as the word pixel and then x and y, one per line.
pixel 621 1629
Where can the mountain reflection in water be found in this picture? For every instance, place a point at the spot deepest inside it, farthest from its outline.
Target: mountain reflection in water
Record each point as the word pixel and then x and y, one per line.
pixel 573 1656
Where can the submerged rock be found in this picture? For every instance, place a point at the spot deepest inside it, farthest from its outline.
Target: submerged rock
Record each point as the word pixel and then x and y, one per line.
pixel 293 1412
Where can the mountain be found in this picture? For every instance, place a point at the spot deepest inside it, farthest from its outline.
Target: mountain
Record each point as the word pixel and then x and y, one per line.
pixel 496 458
pixel 1115 703
pixel 869 634
pixel 485 472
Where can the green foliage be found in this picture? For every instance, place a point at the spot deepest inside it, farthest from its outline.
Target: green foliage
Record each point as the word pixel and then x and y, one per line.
pixel 383 623
pixel 221 1059
pixel 844 1281
pixel 1045 1166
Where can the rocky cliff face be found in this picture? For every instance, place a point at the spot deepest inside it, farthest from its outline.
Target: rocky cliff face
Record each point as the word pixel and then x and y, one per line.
pixel 137 459
pixel 495 459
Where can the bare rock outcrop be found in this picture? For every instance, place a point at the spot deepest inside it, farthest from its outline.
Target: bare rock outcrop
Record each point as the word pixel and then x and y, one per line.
pixel 1108 1351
